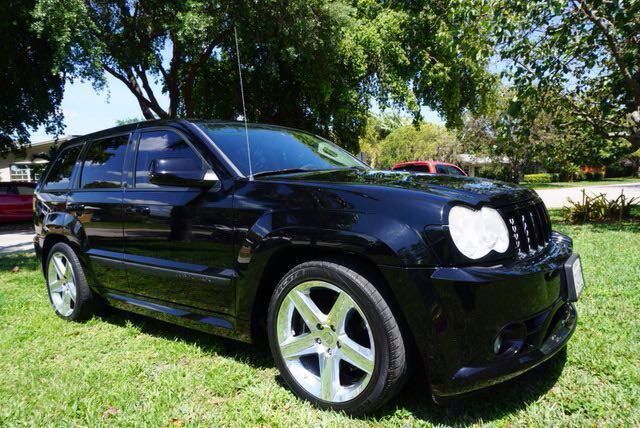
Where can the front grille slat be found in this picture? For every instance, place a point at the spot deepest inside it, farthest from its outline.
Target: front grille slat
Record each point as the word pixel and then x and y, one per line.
pixel 529 227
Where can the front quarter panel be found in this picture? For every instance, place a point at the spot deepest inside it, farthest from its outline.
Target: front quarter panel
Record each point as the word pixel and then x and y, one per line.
pixel 274 216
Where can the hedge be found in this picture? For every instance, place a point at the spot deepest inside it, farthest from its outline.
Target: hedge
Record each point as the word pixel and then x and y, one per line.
pixel 540 178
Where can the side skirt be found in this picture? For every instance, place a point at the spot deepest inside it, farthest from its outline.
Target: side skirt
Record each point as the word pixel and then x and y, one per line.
pixel 212 323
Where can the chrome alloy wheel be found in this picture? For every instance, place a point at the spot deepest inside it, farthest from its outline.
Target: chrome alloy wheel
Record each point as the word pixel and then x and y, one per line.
pixel 325 341
pixel 62 288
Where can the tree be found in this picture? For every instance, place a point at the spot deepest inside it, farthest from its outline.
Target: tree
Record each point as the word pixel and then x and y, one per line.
pixel 580 56
pixel 30 86
pixel 377 129
pixel 409 143
pixel 312 64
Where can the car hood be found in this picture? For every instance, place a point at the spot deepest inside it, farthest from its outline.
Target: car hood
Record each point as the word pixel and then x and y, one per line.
pixel 468 189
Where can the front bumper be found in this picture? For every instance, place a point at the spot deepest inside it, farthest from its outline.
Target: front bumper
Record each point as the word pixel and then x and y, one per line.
pixel 456 315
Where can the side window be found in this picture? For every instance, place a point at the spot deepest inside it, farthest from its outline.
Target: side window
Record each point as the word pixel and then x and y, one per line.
pixel 441 169
pixel 25 190
pixel 102 166
pixel 453 170
pixel 59 177
pixel 159 145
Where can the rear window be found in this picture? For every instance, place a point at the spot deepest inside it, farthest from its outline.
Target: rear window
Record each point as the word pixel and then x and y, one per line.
pixel 102 166
pixel 59 177
pixel 413 168
pixel 7 189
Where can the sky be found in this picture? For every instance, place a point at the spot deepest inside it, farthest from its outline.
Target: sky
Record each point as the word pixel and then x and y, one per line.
pixel 86 110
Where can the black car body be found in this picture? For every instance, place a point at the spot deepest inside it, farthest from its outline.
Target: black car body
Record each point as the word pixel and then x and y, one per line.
pixel 210 257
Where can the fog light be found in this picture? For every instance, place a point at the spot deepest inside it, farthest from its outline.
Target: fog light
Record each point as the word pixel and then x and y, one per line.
pixel 497 344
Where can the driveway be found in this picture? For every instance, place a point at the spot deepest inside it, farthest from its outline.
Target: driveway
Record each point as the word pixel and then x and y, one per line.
pixel 557 198
pixel 16 238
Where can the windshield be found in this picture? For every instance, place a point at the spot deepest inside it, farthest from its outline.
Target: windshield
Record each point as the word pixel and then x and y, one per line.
pixel 276 149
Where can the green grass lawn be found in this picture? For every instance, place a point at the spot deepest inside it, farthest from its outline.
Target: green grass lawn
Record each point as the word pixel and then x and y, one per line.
pixel 122 369
pixel 581 183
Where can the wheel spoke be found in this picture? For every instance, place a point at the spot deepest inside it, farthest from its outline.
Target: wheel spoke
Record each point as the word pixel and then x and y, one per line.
pixel 356 355
pixel 66 303
pixel 60 267
pixel 329 376
pixel 308 310
pixel 338 314
pixel 72 291
pixel 297 346
pixel 56 286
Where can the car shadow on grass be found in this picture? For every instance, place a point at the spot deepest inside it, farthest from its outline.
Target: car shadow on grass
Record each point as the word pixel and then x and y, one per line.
pixel 482 406
pixel 486 405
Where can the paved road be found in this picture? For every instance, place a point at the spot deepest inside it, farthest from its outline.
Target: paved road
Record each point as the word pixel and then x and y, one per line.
pixel 557 198
pixel 16 238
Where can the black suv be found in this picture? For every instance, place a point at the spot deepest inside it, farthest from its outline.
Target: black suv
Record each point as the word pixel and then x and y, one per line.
pixel 269 232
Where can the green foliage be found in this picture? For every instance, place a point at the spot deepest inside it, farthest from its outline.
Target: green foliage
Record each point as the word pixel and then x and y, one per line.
pixel 597 208
pixel 540 178
pixel 30 88
pixel 580 56
pixel 377 129
pixel 409 143
pixel 128 120
pixel 316 65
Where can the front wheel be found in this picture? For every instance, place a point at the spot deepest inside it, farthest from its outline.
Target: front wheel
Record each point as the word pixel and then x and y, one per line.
pixel 335 339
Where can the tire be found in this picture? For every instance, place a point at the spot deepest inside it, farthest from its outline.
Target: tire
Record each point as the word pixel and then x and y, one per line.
pixel 61 282
pixel 360 332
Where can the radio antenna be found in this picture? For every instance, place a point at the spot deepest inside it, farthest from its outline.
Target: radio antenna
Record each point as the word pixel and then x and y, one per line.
pixel 244 109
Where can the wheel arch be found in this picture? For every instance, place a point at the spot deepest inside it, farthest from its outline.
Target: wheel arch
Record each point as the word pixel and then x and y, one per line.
pixel 285 259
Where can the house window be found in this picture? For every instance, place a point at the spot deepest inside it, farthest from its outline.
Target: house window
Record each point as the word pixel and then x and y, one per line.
pixel 20 172
pixel 26 172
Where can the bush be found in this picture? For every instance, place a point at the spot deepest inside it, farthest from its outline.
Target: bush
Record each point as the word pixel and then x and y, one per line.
pixel 598 208
pixel 579 176
pixel 539 178
pixel 622 168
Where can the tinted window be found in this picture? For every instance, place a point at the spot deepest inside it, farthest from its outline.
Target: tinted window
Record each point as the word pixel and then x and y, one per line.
pixel 453 170
pixel 59 176
pixel 414 168
pixel 277 149
pixel 159 145
pixel 25 190
pixel 447 169
pixel 102 167
pixel 7 189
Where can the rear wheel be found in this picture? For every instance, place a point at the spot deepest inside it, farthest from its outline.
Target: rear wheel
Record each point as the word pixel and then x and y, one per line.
pixel 335 339
pixel 69 293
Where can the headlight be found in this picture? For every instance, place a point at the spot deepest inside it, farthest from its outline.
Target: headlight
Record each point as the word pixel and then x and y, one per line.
pixel 476 233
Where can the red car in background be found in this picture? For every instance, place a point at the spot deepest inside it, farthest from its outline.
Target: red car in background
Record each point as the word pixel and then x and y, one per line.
pixel 16 201
pixel 430 167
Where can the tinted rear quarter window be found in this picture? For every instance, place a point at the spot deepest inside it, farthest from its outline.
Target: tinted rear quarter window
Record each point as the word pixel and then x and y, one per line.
pixel 59 176
pixel 102 166
pixel 159 145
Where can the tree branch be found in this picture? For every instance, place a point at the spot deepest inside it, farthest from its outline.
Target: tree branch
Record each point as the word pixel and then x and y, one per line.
pixel 133 86
pixel 633 85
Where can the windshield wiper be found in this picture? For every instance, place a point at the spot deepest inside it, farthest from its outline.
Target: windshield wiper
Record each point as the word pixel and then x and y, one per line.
pixel 284 171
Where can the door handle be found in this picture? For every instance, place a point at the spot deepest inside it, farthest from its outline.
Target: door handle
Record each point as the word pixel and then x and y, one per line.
pixel 75 207
pixel 138 210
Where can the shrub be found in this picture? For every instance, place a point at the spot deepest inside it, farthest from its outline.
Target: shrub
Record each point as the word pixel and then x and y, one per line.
pixel 622 168
pixel 597 208
pixel 579 176
pixel 538 178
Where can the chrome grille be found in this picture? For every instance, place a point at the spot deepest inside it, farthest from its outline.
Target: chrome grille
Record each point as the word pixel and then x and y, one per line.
pixel 530 228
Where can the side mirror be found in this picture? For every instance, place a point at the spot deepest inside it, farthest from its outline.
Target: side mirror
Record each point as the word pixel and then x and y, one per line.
pixel 182 172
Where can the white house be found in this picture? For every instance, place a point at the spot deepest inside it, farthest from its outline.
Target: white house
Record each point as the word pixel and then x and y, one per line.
pixel 27 166
pixel 470 162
